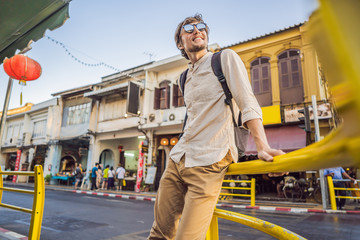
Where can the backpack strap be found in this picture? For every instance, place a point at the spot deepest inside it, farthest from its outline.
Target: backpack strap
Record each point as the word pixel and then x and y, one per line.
pixel 216 66
pixel 182 87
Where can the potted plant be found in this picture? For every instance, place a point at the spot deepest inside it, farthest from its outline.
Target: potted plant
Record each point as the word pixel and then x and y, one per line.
pixel 47 179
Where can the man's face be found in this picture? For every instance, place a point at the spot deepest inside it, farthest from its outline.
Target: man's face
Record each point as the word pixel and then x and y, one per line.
pixel 195 41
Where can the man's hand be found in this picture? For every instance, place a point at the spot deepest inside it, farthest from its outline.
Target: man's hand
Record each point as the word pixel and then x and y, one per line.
pixel 268 156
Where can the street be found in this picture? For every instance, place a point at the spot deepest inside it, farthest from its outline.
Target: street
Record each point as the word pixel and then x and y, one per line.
pixel 68 215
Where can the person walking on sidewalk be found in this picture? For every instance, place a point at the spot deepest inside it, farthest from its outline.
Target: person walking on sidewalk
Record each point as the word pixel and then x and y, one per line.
pixel 105 177
pixel 111 175
pixel 78 175
pixel 191 183
pixel 338 173
pixel 120 175
pixel 94 173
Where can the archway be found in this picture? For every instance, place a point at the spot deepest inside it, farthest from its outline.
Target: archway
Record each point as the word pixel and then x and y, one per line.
pixel 107 158
pixel 67 164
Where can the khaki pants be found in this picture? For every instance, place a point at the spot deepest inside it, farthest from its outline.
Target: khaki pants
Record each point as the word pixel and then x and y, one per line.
pixel 189 193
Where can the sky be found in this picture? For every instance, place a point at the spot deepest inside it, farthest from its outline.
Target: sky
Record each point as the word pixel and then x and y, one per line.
pixel 123 34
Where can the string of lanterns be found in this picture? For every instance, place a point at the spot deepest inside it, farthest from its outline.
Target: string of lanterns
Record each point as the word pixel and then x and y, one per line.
pixel 89 64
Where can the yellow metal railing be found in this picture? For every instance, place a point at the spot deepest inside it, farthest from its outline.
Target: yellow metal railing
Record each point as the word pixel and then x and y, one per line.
pixel 38 201
pixel 258 224
pixel 332 193
pixel 251 189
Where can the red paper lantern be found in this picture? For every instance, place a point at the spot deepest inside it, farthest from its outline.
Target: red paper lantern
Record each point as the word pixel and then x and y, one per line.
pixel 22 68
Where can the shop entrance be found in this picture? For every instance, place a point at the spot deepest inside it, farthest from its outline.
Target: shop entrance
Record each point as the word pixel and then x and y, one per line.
pixel 107 158
pixel 160 166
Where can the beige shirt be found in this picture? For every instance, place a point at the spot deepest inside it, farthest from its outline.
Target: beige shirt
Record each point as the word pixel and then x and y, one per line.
pixel 209 130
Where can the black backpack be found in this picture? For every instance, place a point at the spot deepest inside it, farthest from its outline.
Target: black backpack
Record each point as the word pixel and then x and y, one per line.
pixel 241 134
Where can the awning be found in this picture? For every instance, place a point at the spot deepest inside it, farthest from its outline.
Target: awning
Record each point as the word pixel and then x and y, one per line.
pixel 23 21
pixel 107 90
pixel 286 138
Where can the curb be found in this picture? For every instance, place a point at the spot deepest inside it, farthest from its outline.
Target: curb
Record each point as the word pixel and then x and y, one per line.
pixel 151 199
pixel 7 234
pixel 292 210
pixel 263 208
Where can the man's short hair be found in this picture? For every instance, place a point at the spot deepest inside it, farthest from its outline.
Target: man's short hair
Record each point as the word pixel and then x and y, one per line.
pixel 96 164
pixel 196 18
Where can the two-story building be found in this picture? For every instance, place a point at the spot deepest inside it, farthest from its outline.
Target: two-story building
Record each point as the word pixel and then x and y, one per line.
pixel 28 134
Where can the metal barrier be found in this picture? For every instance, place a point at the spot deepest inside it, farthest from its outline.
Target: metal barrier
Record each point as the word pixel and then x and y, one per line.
pixel 332 192
pixel 38 202
pixel 258 224
pixel 251 189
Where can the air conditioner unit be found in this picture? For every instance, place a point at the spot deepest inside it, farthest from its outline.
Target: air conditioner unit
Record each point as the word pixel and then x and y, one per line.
pixel 26 140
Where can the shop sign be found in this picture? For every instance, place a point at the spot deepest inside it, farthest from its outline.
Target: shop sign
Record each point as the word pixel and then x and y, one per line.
pixel 17 164
pixel 292 115
pixel 139 175
pixel 145 148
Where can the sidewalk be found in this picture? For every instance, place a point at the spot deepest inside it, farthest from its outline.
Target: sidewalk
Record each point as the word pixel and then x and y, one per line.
pixel 263 202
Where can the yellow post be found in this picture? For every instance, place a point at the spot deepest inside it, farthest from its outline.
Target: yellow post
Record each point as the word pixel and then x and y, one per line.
pixel 331 193
pixel 213 231
pixel 38 204
pixel 252 192
pixel 1 185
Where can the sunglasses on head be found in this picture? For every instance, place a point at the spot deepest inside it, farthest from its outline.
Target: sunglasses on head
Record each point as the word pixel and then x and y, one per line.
pixel 189 28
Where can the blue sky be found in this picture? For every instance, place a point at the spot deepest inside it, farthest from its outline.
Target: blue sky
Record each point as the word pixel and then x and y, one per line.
pixel 119 32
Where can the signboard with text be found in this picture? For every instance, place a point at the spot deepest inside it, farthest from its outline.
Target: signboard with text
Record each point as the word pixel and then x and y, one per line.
pixel 17 164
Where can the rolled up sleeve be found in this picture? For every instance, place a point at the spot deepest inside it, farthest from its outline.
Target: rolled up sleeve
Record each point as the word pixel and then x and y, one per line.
pixel 239 85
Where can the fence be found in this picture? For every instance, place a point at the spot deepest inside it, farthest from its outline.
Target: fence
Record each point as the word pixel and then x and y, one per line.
pixel 261 225
pixel 332 192
pixel 251 189
pixel 38 201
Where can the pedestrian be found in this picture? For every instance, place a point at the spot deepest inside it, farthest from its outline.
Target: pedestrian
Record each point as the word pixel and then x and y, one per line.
pixel 105 178
pixel 78 175
pixel 120 175
pixel 99 177
pixel 111 175
pixel 190 186
pixel 94 174
pixel 338 173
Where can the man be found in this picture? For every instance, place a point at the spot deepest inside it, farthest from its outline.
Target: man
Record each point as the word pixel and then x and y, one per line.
pixel 78 175
pixel 94 174
pixel 120 175
pixel 338 173
pixel 192 181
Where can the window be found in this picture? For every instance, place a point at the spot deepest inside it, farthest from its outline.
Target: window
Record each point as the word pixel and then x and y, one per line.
pixel 75 115
pixel 178 99
pixel 260 80
pixel 112 107
pixel 162 96
pixel 39 129
pixel 13 133
pixel 290 74
pixel 290 77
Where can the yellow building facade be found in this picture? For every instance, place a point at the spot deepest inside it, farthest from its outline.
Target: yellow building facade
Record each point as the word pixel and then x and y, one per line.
pixel 284 73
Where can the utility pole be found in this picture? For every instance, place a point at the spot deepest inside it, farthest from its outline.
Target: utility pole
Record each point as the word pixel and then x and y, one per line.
pixel 323 184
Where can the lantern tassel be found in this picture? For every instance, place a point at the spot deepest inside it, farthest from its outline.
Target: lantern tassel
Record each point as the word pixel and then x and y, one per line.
pixel 21 99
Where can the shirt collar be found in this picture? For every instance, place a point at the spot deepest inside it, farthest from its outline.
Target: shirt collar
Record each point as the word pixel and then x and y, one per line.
pixel 201 60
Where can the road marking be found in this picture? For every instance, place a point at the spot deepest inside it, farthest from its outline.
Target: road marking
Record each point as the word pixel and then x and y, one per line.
pixel 113 200
pixel 43 227
pixel 130 236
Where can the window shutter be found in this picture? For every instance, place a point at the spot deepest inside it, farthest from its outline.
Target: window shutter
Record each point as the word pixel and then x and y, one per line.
pixel 167 99
pixel 157 98
pixel 175 95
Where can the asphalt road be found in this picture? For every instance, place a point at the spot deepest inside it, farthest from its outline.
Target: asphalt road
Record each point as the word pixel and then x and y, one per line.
pixel 78 216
